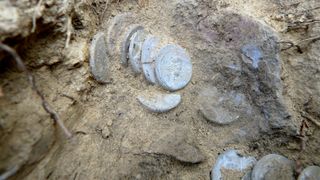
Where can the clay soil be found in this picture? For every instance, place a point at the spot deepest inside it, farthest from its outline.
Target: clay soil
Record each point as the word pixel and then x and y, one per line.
pixel 114 137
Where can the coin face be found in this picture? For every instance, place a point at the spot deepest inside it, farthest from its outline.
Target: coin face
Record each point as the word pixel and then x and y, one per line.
pixel 135 50
pixel 148 58
pixel 124 49
pixel 159 102
pixel 173 67
pixel 99 59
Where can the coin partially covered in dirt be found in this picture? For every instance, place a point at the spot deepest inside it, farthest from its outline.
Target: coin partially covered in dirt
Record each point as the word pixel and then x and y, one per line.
pixel 124 49
pixel 310 173
pixel 99 59
pixel 231 160
pixel 223 107
pixel 148 58
pixel 273 166
pixel 158 102
pixel 173 67
pixel 135 47
pixel 116 26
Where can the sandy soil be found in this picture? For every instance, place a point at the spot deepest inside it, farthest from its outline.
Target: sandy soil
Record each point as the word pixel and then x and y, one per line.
pixel 114 137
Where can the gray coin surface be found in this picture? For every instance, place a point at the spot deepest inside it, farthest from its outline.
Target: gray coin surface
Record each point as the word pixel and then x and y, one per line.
pixel 233 161
pixel 124 49
pixel 116 26
pixel 99 59
pixel 173 67
pixel 223 107
pixel 148 58
pixel 310 173
pixel 273 166
pixel 158 102
pixel 135 50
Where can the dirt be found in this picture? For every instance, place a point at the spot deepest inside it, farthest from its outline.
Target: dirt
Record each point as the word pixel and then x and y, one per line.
pixel 114 137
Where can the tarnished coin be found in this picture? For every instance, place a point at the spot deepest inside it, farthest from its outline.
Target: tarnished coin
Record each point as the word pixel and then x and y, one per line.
pixel 148 58
pixel 173 67
pixel 310 173
pixel 231 160
pixel 99 59
pixel 135 50
pixel 116 26
pixel 158 102
pixel 273 166
pixel 124 49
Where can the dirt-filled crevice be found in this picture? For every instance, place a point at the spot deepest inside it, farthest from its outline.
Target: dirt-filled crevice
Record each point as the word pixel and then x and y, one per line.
pixel 273 101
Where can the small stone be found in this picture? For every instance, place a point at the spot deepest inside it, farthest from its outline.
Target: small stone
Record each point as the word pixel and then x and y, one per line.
pixel 252 52
pixel 223 108
pixel 77 54
pixel 310 173
pixel 177 143
pixel 273 166
pixel 105 133
pixel 99 59
pixel 148 58
pixel 173 67
pixel 124 49
pixel 231 160
pixel 135 50
pixel 158 102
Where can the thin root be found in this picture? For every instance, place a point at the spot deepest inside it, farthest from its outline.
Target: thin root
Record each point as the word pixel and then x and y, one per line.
pixel 69 29
pixel 45 104
pixel 34 17
pixel 308 117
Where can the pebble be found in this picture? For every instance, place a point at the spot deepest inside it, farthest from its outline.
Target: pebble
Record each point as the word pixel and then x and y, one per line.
pixel 99 59
pixel 231 160
pixel 135 47
pixel 126 43
pixel 158 102
pixel 252 52
pixel 147 58
pixel 273 166
pixel 173 67
pixel 310 173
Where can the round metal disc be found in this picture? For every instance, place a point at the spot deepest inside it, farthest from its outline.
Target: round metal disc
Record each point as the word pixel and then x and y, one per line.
pixel 116 26
pixel 135 50
pixel 173 67
pixel 124 49
pixel 158 102
pixel 147 58
pixel 99 59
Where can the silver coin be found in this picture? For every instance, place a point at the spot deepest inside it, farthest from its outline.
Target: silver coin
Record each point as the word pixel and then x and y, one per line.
pixel 147 58
pixel 273 166
pixel 158 102
pixel 116 26
pixel 135 50
pixel 310 173
pixel 173 67
pixel 99 59
pixel 124 49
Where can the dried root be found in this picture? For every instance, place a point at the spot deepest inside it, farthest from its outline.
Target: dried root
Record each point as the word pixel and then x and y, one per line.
pixel 35 14
pixel 46 106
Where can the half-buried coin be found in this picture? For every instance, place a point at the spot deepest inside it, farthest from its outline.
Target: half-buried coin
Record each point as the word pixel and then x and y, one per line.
pixel 135 50
pixel 158 102
pixel 124 49
pixel 99 59
pixel 148 58
pixel 173 67
pixel 115 28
